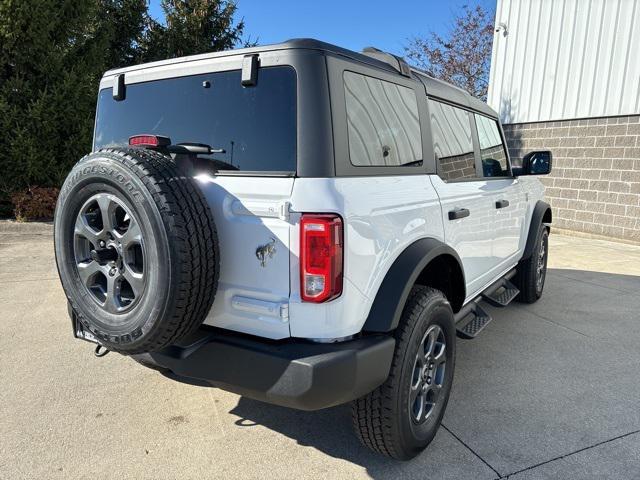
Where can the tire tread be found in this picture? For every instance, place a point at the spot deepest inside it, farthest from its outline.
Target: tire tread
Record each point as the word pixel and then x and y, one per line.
pixel 372 414
pixel 192 236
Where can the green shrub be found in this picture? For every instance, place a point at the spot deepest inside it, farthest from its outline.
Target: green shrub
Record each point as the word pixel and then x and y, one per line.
pixel 37 203
pixel 52 56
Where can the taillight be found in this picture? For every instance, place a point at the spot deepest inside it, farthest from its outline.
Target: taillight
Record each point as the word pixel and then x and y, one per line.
pixel 320 257
pixel 149 141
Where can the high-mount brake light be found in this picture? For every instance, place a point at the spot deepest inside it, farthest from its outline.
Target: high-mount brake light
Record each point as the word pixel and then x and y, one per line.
pixel 321 245
pixel 149 141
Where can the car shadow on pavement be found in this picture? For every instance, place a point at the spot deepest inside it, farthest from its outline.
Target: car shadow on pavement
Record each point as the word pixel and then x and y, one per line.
pixel 575 301
pixel 329 431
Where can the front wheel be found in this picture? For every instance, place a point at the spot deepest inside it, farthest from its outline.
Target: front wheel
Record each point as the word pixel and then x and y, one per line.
pixel 401 417
pixel 532 272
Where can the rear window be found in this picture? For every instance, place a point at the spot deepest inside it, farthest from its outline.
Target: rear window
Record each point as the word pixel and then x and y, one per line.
pixel 256 126
pixel 382 122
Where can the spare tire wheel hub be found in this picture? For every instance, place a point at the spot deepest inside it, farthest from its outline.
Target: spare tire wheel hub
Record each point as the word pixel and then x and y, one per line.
pixel 109 252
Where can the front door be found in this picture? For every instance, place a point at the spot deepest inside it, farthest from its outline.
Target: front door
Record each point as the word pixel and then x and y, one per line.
pixel 509 199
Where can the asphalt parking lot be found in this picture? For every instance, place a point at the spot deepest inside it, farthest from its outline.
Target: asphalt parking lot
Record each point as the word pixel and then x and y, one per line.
pixel 550 390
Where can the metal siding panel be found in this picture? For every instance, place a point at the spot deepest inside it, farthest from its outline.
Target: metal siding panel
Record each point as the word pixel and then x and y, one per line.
pixel 531 86
pixel 583 13
pixel 523 59
pixel 630 98
pixel 545 81
pixel 622 56
pixel 611 38
pixel 561 79
pixel 593 57
pixel 565 59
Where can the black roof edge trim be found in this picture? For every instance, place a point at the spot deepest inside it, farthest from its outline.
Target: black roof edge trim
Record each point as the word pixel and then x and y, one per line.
pixel 398 63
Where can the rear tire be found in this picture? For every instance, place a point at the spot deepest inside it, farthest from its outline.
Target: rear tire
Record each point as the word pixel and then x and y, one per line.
pixel 136 249
pixel 532 272
pixel 401 417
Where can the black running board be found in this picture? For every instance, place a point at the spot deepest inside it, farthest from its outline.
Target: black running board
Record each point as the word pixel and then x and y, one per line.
pixel 472 318
pixel 473 323
pixel 503 295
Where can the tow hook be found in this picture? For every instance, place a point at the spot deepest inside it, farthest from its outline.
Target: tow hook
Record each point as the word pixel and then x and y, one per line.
pixel 100 351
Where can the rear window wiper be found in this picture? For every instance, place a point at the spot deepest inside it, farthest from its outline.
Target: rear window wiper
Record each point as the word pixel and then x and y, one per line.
pixel 189 148
pixel 194 148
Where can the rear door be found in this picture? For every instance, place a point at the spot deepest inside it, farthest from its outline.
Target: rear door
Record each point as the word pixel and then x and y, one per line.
pixel 247 181
pixel 466 198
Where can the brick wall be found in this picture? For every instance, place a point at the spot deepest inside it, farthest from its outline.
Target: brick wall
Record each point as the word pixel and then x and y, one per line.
pixel 595 183
pixel 458 166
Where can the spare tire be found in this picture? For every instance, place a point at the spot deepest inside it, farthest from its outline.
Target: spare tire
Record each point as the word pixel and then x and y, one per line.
pixel 136 249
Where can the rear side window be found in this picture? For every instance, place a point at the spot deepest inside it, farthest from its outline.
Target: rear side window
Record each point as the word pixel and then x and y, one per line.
pixel 492 152
pixel 452 141
pixel 256 126
pixel 382 122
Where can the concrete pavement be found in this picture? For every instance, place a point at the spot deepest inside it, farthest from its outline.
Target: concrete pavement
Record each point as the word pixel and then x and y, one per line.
pixel 549 390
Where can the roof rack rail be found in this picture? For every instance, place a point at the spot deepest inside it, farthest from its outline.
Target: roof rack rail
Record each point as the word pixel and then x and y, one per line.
pixel 398 63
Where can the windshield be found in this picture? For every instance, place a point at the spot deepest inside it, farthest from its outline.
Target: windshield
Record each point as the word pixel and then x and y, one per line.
pixel 255 126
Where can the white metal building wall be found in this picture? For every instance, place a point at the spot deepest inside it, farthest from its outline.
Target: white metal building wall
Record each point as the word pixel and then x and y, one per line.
pixel 565 59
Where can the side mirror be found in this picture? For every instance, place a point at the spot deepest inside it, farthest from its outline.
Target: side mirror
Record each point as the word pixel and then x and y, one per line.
pixel 535 163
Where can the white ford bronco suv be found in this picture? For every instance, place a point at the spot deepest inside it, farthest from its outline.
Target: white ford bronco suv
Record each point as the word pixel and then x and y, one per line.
pixel 300 224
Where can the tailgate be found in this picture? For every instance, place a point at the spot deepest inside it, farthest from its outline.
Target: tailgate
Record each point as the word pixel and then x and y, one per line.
pixel 254 238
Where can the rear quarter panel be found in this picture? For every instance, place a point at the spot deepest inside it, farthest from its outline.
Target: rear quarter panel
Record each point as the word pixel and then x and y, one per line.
pixel 382 215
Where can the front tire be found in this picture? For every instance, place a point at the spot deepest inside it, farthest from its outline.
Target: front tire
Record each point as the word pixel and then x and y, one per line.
pixel 532 272
pixel 401 417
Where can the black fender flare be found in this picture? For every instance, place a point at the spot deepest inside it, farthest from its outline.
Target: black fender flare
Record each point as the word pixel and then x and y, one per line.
pixel 392 295
pixel 537 218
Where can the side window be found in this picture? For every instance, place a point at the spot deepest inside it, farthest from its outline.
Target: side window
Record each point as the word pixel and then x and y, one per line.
pixel 452 141
pixel 492 152
pixel 382 122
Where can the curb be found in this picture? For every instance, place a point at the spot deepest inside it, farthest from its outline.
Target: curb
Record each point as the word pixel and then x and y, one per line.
pixel 592 236
pixel 33 228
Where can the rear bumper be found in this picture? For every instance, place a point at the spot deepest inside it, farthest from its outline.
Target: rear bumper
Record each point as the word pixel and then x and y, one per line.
pixel 294 373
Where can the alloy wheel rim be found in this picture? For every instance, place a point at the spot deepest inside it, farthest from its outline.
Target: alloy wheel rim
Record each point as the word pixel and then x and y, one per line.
pixel 540 267
pixel 109 253
pixel 428 375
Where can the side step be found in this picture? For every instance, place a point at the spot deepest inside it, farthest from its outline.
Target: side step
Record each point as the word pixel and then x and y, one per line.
pixel 478 319
pixel 472 318
pixel 503 295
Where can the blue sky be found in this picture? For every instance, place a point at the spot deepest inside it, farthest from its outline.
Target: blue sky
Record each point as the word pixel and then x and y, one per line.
pixel 347 23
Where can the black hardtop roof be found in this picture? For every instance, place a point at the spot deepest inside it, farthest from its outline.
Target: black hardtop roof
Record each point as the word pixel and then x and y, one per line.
pixel 434 87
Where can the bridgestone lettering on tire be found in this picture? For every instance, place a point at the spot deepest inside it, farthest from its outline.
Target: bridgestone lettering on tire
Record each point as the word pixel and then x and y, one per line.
pixel 136 248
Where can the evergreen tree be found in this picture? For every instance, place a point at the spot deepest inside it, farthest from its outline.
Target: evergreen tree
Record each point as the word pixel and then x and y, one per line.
pixel 192 27
pixel 52 55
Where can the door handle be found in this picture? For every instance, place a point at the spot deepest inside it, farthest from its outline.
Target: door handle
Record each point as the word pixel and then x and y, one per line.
pixel 502 203
pixel 457 213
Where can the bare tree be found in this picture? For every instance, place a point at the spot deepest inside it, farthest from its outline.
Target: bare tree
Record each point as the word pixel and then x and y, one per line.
pixel 463 55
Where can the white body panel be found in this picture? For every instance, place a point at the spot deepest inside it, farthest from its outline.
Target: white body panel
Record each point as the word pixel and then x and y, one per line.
pixel 470 237
pixel 382 216
pixel 509 224
pixel 247 211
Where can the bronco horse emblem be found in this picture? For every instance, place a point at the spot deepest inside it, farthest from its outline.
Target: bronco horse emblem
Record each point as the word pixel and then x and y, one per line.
pixel 266 251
